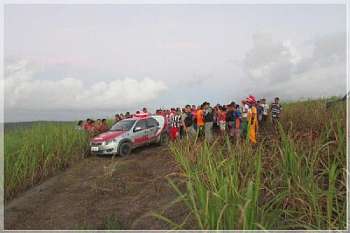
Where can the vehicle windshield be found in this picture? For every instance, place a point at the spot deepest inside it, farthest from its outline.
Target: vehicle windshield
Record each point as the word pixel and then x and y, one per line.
pixel 123 125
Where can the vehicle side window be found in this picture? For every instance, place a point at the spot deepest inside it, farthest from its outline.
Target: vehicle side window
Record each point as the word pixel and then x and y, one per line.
pixel 151 122
pixel 142 124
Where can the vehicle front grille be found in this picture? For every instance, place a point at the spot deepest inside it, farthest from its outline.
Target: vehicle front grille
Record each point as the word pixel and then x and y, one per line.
pixel 96 143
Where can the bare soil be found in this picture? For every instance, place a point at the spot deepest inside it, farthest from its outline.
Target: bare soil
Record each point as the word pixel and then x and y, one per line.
pixel 103 192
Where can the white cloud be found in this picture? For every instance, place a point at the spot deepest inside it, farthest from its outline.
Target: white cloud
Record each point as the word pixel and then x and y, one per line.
pixel 24 92
pixel 314 68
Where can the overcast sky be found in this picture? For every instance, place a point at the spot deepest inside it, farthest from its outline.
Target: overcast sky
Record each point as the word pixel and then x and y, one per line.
pixel 66 62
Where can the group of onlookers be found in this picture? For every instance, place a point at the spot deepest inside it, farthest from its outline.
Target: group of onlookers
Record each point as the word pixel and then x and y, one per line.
pixel 238 121
pixel 100 126
pixel 91 126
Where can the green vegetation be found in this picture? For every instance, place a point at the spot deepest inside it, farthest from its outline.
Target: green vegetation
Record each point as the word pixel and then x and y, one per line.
pixel 36 152
pixel 293 179
pixel 112 223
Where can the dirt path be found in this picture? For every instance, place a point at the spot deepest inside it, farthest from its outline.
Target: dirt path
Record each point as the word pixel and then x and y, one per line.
pixel 99 192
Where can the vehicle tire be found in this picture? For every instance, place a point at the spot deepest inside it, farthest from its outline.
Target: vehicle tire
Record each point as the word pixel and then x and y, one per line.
pixel 163 140
pixel 125 149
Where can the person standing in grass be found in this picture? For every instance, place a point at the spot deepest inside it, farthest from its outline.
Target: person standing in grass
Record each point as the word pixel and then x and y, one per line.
pixel 260 110
pixel 252 119
pixel 175 123
pixel 230 115
pixel 200 120
pixel 193 111
pixel 182 128
pixel 244 123
pixel 91 128
pixel 238 119
pixel 88 125
pixel 222 119
pixel 276 109
pixel 187 121
pixel 265 107
pixel 208 119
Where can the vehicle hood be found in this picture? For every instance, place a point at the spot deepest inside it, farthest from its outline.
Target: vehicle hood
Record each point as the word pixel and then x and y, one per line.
pixel 108 136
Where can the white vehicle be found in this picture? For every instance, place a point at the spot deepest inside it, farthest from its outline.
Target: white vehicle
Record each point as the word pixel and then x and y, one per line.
pixel 128 134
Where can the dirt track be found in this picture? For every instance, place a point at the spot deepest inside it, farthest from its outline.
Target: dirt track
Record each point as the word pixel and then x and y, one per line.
pixel 94 190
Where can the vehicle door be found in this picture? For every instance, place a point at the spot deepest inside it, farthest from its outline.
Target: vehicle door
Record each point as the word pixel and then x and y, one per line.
pixel 139 132
pixel 152 128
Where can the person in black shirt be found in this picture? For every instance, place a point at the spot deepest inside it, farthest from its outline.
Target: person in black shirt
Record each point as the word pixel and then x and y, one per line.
pixel 276 109
pixel 187 121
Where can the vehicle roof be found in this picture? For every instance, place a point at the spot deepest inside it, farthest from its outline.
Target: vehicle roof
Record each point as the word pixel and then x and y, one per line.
pixel 138 117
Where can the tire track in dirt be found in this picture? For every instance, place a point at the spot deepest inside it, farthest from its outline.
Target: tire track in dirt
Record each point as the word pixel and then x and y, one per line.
pixel 90 191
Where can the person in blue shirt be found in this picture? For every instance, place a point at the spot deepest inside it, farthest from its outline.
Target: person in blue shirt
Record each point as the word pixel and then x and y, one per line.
pixel 238 120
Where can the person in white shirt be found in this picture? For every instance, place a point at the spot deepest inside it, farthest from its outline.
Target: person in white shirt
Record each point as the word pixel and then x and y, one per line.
pixel 265 110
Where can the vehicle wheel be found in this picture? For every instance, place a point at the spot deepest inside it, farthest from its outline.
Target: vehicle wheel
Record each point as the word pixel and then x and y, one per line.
pixel 125 149
pixel 164 139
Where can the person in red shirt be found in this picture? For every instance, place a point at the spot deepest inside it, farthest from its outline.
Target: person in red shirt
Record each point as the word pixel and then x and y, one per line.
pixel 92 126
pixel 222 119
pixel 87 124
pixel 104 126
pixel 98 124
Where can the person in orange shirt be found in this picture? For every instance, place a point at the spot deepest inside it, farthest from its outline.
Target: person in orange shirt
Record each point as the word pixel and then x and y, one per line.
pixel 200 120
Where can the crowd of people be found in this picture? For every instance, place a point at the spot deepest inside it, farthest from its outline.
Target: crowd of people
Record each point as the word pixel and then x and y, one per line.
pixel 91 126
pixel 239 121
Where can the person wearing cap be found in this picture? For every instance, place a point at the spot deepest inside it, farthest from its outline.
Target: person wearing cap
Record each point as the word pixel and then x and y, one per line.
pixel 252 119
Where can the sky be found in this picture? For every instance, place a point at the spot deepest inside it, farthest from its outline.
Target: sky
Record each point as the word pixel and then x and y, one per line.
pixel 70 62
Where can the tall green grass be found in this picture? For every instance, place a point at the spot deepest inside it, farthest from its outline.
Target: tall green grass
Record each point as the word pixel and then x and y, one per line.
pixel 294 179
pixel 36 152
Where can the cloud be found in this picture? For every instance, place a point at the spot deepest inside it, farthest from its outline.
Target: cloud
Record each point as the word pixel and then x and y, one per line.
pixel 24 92
pixel 179 45
pixel 313 68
